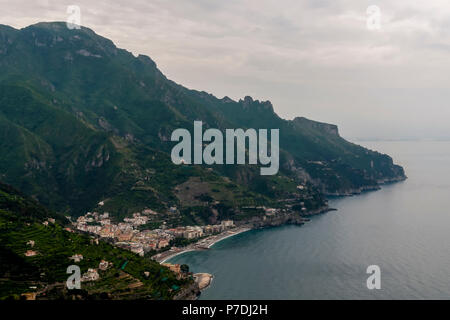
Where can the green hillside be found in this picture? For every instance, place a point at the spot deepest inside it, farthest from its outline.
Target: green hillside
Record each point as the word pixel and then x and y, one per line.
pixel 22 220
pixel 83 121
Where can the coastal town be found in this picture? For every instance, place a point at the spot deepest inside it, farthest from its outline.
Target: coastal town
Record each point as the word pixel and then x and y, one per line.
pixel 157 242
pixel 147 233
pixel 128 234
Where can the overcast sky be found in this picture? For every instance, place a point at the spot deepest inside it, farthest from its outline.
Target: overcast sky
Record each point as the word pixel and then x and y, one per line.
pixel 312 58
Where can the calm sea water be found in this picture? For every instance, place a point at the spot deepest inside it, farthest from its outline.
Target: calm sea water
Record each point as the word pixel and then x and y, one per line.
pixel 404 228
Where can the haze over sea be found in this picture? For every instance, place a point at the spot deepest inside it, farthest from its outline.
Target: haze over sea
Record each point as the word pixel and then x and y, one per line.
pixel 404 228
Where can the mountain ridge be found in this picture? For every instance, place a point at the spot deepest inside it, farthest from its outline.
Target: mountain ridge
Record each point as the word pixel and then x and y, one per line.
pixel 94 123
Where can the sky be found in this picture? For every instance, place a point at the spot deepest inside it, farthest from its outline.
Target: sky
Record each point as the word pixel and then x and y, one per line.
pixel 326 60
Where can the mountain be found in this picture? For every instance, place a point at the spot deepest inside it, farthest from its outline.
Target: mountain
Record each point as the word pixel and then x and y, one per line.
pixel 82 121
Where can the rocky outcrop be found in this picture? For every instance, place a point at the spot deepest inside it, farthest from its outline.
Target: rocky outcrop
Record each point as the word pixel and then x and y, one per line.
pixel 203 280
pixel 356 191
pixel 189 292
pixel 249 103
pixel 324 127
pixel 282 218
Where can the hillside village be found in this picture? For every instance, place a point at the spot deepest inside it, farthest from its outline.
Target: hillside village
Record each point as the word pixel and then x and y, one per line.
pixel 128 235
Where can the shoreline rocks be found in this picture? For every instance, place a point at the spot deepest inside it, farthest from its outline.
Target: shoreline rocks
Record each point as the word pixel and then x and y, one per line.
pixel 203 280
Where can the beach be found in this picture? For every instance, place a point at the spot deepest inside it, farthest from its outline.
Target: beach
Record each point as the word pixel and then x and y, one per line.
pixel 203 244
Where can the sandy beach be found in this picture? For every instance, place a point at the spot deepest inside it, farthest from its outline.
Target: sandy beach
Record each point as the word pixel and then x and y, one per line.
pixel 203 244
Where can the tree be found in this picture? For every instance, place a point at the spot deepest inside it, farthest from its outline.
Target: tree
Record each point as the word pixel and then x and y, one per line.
pixel 184 268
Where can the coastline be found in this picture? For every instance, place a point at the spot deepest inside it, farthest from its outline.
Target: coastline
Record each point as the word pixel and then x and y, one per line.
pixel 207 243
pixel 174 255
pixel 210 241
pixel 203 244
pixel 203 280
pixel 229 236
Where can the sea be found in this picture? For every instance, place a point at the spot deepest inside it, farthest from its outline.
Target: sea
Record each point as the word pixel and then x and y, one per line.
pixel 403 230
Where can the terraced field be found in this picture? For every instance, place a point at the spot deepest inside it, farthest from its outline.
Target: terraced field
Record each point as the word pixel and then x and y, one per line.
pixel 52 246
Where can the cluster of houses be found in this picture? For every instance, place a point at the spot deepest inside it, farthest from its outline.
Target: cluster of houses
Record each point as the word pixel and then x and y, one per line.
pixel 274 211
pixel 92 273
pixel 192 232
pixel 128 235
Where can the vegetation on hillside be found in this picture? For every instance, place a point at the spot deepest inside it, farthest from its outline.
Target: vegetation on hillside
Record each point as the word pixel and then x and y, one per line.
pixel 83 121
pixel 22 220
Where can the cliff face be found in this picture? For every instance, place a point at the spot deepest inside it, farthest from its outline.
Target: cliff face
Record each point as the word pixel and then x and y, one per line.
pixel 290 217
pixel 189 292
pixel 327 128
